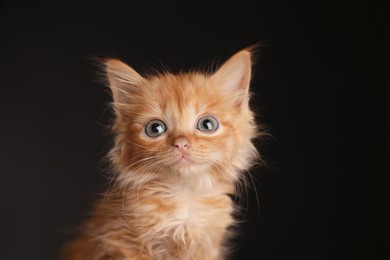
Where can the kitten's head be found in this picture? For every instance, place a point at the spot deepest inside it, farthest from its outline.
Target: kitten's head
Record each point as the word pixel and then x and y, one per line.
pixel 193 126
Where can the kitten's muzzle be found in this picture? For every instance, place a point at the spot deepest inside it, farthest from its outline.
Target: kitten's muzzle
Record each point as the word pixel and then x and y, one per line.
pixel 182 145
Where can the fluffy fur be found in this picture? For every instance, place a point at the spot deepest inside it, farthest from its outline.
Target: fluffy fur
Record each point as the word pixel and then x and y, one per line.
pixel 161 206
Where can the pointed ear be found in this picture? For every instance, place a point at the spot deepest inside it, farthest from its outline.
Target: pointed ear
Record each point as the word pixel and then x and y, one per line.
pixel 123 80
pixel 234 76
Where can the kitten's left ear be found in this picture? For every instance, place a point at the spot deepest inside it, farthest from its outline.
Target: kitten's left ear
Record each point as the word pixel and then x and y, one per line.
pixel 234 76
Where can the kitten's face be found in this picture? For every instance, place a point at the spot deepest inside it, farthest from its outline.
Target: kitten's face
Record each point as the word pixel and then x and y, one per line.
pixel 186 124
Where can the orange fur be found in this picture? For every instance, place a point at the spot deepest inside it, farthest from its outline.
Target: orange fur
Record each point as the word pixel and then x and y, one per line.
pixel 160 208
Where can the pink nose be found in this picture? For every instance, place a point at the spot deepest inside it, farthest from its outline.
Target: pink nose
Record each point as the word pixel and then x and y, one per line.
pixel 181 143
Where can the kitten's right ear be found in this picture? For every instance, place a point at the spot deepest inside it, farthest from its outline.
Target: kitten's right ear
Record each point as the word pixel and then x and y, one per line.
pixel 123 80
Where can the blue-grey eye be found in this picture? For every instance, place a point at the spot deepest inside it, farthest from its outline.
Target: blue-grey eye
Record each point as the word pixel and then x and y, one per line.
pixel 155 128
pixel 207 124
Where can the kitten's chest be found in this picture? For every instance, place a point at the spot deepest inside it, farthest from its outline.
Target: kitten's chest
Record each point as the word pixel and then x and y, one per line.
pixel 201 211
pixel 185 208
pixel 181 224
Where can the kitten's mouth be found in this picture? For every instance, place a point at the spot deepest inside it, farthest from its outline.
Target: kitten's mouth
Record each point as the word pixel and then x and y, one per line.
pixel 183 160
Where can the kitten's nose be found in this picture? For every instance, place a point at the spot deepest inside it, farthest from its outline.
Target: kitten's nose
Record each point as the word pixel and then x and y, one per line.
pixel 181 143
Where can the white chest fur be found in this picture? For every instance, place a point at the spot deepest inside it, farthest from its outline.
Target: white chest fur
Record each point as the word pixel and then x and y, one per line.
pixel 179 218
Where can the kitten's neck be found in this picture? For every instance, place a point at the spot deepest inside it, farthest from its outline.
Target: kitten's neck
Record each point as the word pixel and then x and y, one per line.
pixel 203 183
pixel 197 183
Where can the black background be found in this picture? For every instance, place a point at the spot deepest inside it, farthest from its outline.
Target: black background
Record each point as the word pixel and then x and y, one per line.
pixel 316 86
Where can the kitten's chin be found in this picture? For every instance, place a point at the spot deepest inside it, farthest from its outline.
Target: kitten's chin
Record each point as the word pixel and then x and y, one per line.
pixel 183 162
pixel 189 169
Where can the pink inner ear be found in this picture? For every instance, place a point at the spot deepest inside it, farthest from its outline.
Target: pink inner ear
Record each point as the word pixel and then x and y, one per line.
pixel 235 73
pixel 123 80
pixel 234 76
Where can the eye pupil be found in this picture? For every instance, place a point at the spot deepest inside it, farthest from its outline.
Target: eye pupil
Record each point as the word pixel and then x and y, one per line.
pixel 157 128
pixel 207 124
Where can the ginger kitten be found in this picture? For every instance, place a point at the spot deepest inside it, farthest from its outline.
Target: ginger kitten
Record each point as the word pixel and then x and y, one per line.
pixel 182 144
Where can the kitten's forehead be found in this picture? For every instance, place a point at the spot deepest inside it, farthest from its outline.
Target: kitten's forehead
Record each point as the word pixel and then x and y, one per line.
pixel 180 98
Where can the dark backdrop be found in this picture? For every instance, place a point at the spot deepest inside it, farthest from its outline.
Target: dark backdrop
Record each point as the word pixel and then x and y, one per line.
pixel 315 84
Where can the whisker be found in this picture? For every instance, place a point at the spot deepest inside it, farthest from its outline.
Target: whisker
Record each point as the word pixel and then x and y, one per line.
pixel 255 189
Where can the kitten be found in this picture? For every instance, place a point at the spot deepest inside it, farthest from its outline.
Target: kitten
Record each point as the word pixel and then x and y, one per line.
pixel 182 144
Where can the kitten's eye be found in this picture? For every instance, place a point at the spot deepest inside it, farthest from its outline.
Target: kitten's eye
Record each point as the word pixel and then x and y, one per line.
pixel 207 124
pixel 155 128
